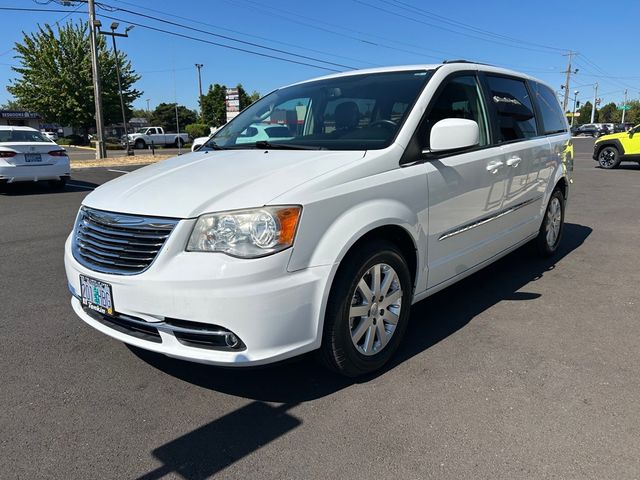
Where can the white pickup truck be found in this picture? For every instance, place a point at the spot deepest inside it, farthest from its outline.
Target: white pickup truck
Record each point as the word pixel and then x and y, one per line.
pixel 144 137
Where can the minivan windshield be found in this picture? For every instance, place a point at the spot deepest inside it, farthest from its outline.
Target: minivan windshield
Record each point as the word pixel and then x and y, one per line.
pixel 356 112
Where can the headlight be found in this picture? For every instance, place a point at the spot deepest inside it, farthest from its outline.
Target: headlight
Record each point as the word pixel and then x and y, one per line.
pixel 246 233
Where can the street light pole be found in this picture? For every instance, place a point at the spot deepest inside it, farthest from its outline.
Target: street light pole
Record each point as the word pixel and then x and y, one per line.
pixel 595 101
pixel 113 36
pixel 95 70
pixel 575 100
pixel 624 105
pixel 199 67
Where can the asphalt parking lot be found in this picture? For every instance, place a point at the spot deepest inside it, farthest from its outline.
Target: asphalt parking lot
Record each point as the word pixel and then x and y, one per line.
pixel 527 369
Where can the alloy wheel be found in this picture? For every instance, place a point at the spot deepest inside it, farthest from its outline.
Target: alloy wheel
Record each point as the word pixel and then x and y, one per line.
pixel 375 309
pixel 553 222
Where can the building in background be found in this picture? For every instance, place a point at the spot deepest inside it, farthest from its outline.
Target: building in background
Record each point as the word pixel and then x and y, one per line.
pixel 20 118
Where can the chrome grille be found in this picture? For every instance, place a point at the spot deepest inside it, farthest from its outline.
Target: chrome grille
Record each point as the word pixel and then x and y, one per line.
pixel 118 243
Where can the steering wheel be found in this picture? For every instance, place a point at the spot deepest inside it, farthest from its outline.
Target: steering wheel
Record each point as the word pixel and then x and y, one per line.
pixel 384 123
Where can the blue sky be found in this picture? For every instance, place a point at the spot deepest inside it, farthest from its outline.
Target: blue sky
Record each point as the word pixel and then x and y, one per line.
pixel 357 33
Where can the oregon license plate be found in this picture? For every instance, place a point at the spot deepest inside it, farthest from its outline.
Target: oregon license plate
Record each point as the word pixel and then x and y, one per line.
pixel 32 157
pixel 96 295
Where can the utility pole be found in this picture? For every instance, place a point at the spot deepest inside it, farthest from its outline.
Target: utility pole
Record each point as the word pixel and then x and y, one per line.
pixel 199 66
pixel 148 111
pixel 113 36
pixel 624 105
pixel 95 69
pixel 595 102
pixel 567 82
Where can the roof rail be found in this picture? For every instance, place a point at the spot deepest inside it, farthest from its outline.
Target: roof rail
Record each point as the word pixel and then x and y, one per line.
pixel 466 61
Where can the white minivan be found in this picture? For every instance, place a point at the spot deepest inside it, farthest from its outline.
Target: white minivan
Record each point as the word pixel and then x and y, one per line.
pixel 390 185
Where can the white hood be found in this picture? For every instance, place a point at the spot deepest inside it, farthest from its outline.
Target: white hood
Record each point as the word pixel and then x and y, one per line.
pixel 203 182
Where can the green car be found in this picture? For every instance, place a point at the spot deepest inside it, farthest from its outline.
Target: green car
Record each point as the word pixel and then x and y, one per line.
pixel 610 150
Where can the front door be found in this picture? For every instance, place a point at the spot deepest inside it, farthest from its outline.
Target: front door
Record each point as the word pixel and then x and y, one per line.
pixel 465 190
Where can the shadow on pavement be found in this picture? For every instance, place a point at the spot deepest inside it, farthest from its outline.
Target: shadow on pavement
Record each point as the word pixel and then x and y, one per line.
pixel 432 320
pixel 215 446
pixel 207 450
pixel 43 188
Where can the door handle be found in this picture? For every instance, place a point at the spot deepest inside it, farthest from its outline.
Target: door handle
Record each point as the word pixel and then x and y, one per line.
pixel 494 166
pixel 514 161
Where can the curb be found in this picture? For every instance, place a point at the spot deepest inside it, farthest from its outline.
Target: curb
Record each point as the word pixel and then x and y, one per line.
pixel 80 147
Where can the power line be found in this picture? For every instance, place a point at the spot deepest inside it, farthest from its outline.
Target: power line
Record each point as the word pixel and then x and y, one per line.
pixel 271 40
pixel 189 37
pixel 222 45
pixel 413 19
pixel 355 35
pixel 229 38
pixel 413 9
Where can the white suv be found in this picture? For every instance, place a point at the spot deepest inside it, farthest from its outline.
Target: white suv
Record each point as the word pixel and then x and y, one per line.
pixel 392 184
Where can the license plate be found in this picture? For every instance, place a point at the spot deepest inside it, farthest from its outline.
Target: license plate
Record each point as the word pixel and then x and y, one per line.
pixel 96 295
pixel 32 157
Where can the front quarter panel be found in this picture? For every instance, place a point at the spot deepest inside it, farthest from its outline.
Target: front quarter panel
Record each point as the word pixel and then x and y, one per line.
pixel 335 218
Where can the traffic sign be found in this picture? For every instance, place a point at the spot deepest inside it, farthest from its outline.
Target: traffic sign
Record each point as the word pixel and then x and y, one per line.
pixel 624 107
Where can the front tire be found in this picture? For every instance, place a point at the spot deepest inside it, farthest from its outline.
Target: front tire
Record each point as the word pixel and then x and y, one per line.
pixel 140 144
pixel 609 157
pixel 367 311
pixel 550 234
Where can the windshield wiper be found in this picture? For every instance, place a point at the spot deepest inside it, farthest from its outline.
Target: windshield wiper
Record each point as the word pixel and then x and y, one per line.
pixel 284 146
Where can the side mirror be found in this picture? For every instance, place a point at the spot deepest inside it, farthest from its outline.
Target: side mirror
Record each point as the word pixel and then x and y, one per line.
pixel 454 134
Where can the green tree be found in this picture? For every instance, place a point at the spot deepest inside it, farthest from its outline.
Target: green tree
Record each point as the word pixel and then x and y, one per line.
pixel 196 130
pixel 214 107
pixel 12 105
pixel 610 114
pixel 165 116
pixel 255 96
pixel 55 76
pixel 585 113
pixel 139 113
pixel 633 114
pixel 243 96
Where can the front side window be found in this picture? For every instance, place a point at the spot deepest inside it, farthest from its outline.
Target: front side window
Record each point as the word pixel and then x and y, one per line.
pixel 355 112
pixel 514 110
pixel 460 98
pixel 553 120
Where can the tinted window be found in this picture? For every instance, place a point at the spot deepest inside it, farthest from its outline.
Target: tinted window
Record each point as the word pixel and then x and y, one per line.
pixel 514 109
pixel 553 120
pixel 460 98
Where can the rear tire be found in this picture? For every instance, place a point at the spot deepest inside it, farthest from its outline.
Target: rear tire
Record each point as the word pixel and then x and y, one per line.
pixel 367 311
pixel 179 143
pixel 609 157
pixel 550 234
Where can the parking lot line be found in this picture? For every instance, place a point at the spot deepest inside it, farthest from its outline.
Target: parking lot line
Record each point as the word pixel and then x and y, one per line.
pixel 75 185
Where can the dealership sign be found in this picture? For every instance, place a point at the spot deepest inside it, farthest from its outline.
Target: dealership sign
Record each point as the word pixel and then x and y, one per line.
pixel 18 114
pixel 232 100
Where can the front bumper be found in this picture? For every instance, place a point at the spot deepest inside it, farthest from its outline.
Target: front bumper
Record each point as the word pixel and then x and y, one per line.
pixel 33 173
pixel 276 314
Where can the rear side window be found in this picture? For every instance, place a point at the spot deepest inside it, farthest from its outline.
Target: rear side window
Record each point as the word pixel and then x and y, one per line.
pixel 514 109
pixel 553 120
